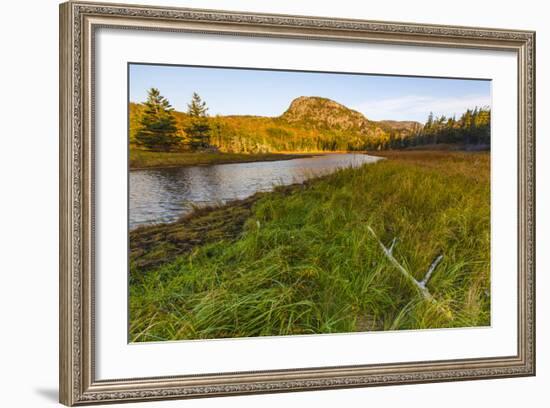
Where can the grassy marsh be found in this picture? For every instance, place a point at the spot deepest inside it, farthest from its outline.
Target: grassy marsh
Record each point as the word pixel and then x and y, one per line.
pixel 300 260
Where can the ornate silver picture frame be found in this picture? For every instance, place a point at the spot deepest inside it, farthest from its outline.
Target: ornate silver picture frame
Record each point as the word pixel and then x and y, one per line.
pixel 79 22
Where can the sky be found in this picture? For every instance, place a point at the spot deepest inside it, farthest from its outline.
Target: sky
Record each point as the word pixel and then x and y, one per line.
pixel 229 91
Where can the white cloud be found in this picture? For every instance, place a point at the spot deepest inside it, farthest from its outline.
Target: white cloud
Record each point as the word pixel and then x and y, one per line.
pixel 418 107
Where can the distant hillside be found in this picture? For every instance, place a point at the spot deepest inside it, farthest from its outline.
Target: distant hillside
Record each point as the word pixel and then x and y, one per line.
pixel 309 124
pixel 314 123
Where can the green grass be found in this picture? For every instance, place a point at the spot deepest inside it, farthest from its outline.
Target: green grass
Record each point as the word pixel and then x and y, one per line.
pixel 140 159
pixel 301 260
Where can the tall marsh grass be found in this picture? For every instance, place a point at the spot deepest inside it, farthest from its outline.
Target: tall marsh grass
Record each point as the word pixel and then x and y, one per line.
pixel 305 262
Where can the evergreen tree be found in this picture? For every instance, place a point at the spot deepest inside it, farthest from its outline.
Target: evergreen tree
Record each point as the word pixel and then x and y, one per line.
pixel 157 130
pixel 198 130
pixel 473 127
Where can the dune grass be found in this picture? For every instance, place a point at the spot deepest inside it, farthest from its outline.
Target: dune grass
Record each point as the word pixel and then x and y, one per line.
pixel 302 261
pixel 141 159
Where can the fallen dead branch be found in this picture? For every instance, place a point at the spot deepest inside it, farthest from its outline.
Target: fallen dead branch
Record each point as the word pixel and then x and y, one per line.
pixel 419 285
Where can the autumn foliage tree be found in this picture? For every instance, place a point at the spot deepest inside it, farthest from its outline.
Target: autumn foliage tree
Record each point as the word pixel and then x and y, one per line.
pixel 157 130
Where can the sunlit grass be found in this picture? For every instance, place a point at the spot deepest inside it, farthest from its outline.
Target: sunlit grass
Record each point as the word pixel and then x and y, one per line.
pixel 140 159
pixel 304 262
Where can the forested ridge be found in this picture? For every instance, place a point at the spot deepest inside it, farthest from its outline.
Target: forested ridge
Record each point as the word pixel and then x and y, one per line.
pixel 310 124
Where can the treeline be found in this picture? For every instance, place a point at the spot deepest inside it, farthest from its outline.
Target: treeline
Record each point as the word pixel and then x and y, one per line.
pixel 156 126
pixel 261 135
pixel 473 128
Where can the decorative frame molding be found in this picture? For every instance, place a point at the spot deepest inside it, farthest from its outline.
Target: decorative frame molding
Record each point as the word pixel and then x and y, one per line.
pixel 78 21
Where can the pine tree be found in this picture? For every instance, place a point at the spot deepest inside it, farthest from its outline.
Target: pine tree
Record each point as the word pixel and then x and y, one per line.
pixel 198 131
pixel 157 129
pixel 473 127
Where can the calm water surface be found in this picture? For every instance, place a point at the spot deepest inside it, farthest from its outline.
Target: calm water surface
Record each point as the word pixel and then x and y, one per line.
pixel 164 195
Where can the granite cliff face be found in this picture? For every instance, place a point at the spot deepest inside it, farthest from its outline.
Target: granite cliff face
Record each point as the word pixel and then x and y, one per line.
pixel 323 113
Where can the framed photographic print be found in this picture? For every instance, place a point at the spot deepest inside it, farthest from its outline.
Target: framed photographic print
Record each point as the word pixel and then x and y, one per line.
pixel 258 203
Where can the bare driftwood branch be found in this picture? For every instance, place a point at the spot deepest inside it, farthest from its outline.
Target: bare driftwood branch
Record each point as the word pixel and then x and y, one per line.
pixel 431 270
pixel 393 242
pixel 420 286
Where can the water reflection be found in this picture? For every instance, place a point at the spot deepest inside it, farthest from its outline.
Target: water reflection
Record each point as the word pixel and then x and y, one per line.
pixel 163 195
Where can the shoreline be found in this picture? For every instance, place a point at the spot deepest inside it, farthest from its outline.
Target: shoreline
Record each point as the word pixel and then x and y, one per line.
pixel 265 159
pixel 200 227
pixel 218 158
pixel 213 158
pixel 228 205
pixel 404 155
